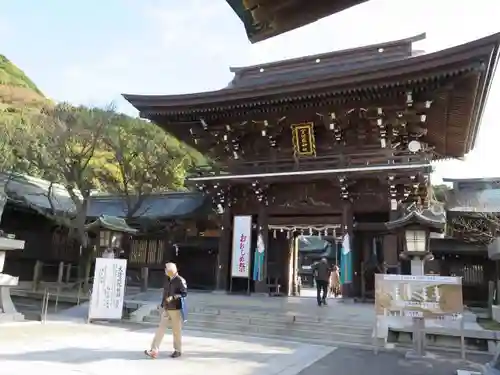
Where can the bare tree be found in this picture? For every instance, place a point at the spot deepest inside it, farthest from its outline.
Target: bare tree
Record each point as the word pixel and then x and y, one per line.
pixel 479 227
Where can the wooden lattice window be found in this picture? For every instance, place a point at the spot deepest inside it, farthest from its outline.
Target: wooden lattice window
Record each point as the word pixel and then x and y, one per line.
pixel 147 251
pixel 104 238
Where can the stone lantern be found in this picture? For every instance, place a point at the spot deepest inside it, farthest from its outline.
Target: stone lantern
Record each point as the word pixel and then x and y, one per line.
pixel 414 230
pixel 7 309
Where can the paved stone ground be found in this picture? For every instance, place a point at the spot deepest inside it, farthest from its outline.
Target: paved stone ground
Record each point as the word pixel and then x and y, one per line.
pixel 62 348
pixel 349 362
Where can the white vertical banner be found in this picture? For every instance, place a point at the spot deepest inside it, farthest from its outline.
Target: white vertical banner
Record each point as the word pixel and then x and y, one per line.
pixel 242 236
pixel 108 290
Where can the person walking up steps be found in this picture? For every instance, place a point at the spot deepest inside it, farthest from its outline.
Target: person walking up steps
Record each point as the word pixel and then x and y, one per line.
pixel 174 290
pixel 321 272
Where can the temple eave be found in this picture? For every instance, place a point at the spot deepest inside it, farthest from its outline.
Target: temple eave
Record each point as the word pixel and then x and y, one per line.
pixel 482 53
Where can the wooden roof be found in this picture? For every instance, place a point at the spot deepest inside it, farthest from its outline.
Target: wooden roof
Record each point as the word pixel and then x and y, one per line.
pixel 264 19
pixel 426 218
pixel 462 73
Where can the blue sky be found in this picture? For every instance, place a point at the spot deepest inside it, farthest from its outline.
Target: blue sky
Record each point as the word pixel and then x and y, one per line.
pixel 89 52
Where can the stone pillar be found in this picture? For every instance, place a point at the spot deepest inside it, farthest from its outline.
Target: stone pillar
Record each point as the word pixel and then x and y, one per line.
pixel 7 309
pixel 417 266
pixel 263 229
pixel 224 254
pixel 67 277
pixel 347 228
pixel 60 273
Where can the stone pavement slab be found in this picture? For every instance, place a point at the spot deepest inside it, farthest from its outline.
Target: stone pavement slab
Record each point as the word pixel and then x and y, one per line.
pixel 352 361
pixel 58 349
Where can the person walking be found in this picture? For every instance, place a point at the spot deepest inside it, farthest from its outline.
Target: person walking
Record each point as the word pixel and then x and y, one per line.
pixel 321 272
pixel 174 291
pixel 335 281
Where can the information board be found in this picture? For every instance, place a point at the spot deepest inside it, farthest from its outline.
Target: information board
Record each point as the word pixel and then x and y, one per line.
pixel 108 289
pixel 418 296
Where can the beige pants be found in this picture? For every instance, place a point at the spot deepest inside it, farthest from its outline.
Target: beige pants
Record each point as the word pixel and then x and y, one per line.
pixel 173 319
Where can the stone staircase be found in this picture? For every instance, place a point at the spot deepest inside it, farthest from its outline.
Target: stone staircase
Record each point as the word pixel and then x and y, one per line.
pixel 308 328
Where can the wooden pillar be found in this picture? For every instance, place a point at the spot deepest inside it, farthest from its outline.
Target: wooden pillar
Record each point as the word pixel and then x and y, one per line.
pixel 365 255
pixel 37 275
pixel 295 265
pixel 144 279
pixel 289 261
pixel 263 229
pixel 224 253
pixel 347 226
pixel 390 244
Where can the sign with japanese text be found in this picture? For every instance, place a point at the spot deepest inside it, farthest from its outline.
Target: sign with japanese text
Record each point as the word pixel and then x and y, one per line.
pixel 108 290
pixel 242 235
pixel 418 296
pixel 303 140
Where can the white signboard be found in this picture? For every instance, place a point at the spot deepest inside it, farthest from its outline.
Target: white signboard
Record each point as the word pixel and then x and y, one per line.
pixel 242 235
pixel 108 290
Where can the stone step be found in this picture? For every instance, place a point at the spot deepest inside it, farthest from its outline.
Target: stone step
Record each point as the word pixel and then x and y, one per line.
pixel 322 316
pixel 324 334
pixel 341 327
pixel 330 338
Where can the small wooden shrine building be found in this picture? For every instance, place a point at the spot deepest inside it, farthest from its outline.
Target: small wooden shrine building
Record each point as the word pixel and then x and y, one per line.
pixel 472 211
pixel 329 144
pixel 173 226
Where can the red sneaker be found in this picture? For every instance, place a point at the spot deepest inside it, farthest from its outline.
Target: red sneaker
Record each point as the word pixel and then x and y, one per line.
pixel 151 353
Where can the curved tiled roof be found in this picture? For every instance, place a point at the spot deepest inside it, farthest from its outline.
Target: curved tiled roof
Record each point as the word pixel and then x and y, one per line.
pixel 336 76
pixel 481 53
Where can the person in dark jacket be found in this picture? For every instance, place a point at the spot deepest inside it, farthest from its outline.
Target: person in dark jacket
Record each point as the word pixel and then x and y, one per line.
pixel 321 272
pixel 174 289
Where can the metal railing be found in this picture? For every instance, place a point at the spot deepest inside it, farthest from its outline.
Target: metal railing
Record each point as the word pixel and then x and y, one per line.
pixel 54 293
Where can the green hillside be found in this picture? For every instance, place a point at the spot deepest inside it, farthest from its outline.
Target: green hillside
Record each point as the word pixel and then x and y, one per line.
pixel 11 75
pixel 16 89
pixel 28 121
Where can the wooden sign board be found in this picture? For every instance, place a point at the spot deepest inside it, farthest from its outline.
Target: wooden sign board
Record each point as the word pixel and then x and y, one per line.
pixel 427 297
pixel 303 140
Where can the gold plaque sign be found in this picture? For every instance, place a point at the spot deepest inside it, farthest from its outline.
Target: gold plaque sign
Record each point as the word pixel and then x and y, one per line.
pixel 303 139
pixel 418 296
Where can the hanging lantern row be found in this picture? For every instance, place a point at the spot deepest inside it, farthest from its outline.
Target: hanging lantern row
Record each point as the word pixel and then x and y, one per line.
pixel 393 192
pixel 321 231
pixel 334 127
pixel 260 192
pixel 405 139
pixel 382 128
pixel 265 133
pixel 344 188
pixel 405 192
pixel 220 196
